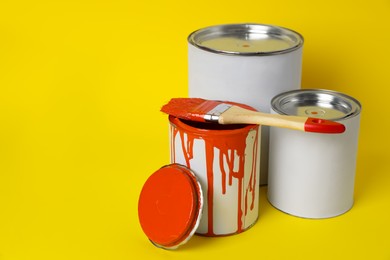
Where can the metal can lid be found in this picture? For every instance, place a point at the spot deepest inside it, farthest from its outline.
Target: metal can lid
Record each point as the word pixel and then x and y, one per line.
pixel 170 206
pixel 318 103
pixel 246 39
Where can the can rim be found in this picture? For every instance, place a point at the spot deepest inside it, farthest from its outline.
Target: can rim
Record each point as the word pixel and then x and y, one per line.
pixel 194 37
pixel 218 129
pixel 350 103
pixel 237 129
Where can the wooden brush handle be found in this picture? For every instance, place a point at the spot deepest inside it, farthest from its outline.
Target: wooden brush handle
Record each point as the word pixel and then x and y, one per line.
pixel 238 115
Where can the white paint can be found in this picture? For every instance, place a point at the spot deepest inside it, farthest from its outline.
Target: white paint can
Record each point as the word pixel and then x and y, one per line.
pixel 245 63
pixel 312 175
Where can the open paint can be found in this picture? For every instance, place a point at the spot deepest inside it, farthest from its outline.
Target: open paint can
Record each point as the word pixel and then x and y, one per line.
pixel 225 159
pixel 245 63
pixel 312 175
pixel 211 187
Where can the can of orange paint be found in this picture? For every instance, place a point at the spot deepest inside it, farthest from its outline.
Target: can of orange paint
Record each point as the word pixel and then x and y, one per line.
pixel 312 175
pixel 225 159
pixel 211 187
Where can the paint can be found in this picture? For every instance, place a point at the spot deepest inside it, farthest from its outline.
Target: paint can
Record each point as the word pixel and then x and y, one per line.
pixel 312 175
pixel 225 159
pixel 245 63
pixel 211 187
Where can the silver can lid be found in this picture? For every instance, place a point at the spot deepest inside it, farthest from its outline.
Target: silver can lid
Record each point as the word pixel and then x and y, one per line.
pixel 318 103
pixel 246 39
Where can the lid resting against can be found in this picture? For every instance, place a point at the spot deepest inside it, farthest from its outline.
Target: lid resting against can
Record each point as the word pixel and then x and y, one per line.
pixel 170 206
pixel 318 103
pixel 246 39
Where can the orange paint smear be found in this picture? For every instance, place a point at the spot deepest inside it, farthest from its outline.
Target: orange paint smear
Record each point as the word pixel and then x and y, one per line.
pixel 193 109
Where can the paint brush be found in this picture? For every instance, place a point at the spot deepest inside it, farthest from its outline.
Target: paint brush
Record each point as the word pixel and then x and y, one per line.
pixel 201 110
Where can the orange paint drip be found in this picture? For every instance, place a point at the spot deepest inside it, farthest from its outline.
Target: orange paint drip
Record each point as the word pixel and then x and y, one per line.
pixel 173 132
pixel 253 182
pixel 210 187
pixel 187 149
pixel 231 145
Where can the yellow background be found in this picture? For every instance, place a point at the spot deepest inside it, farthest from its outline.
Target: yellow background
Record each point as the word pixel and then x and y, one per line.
pixel 81 85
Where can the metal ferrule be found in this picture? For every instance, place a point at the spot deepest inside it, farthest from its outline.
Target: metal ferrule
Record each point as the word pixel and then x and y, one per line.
pixel 213 114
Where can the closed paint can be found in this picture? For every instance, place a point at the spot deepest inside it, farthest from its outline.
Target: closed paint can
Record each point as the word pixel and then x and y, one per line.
pixel 225 160
pixel 312 175
pixel 245 63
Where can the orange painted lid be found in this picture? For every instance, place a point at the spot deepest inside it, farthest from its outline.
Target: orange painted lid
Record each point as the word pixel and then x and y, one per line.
pixel 170 206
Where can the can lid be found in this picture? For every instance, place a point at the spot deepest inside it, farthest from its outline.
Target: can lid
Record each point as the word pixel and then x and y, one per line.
pixel 246 39
pixel 170 205
pixel 318 103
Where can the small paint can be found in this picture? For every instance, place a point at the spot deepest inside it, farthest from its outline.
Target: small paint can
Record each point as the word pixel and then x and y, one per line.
pixel 246 63
pixel 312 175
pixel 225 159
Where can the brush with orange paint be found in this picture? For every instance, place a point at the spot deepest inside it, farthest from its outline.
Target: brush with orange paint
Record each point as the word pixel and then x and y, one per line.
pixel 201 110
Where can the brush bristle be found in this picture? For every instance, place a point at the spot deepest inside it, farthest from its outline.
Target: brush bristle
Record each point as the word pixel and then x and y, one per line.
pixel 193 109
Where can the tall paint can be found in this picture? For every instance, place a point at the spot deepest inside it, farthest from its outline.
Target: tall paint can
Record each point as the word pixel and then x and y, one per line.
pixel 225 160
pixel 245 63
pixel 312 175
